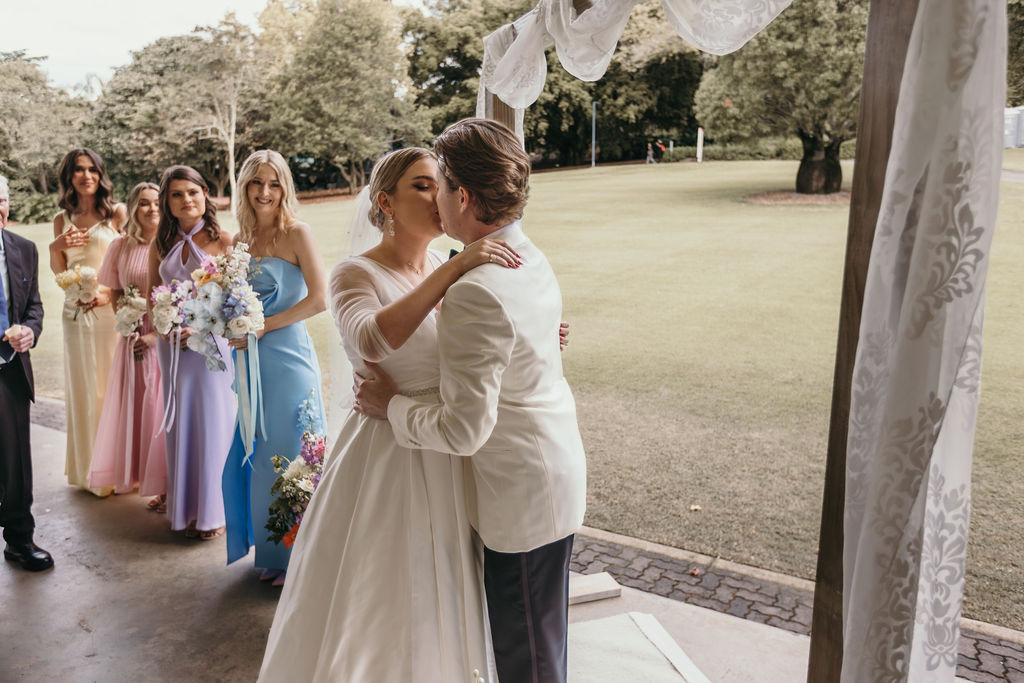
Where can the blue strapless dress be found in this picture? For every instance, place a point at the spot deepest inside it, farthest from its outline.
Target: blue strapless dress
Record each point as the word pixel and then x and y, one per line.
pixel 288 373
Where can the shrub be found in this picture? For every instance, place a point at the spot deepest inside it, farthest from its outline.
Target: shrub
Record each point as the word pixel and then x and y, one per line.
pixel 32 207
pixel 761 148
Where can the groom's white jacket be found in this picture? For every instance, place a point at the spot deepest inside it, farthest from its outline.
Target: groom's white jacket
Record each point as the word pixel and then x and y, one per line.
pixel 505 402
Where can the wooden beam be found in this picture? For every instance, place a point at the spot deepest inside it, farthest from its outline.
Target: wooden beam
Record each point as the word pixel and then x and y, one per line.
pixel 889 26
pixel 501 112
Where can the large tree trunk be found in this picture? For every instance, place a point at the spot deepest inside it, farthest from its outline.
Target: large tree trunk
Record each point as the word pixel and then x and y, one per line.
pixel 348 174
pixel 820 172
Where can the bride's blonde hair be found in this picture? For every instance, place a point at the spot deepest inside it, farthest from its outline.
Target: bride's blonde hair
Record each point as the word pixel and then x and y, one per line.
pixel 385 176
pixel 287 215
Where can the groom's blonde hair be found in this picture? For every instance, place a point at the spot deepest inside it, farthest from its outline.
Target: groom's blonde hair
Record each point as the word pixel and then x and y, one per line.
pixel 488 160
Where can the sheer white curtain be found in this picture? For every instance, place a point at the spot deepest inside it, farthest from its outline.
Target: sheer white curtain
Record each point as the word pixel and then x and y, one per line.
pixel 515 68
pixel 918 365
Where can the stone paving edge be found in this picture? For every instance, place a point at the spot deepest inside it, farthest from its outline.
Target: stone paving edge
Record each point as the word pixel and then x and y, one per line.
pixel 792 582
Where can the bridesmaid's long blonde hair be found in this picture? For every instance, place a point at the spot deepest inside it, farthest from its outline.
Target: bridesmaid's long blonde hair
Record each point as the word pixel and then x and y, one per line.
pixel 287 215
pixel 132 228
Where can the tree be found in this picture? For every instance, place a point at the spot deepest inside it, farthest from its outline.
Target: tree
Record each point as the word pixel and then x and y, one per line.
pixel 38 123
pixel 224 66
pixel 1015 53
pixel 800 76
pixel 647 91
pixel 177 96
pixel 446 53
pixel 337 100
pixel 137 126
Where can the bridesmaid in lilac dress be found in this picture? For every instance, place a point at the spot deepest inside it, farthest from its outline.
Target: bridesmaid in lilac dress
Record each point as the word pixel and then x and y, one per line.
pixel 202 401
pixel 129 448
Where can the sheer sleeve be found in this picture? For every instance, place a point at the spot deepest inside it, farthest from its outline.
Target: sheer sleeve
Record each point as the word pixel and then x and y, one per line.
pixel 354 303
pixel 108 275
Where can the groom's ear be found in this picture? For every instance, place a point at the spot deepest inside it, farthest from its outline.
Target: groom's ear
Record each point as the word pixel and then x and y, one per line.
pixel 465 198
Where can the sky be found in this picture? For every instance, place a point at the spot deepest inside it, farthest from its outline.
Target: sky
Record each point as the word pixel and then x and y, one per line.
pixel 95 37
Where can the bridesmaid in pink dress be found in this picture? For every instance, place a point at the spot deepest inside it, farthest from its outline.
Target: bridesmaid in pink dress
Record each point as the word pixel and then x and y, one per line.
pixel 129 450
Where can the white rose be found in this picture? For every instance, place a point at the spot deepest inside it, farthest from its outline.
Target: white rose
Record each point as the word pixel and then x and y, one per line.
pixel 238 327
pixel 72 293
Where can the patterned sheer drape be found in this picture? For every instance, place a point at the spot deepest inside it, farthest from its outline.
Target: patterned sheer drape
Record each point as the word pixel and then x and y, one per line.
pixel 514 66
pixel 918 366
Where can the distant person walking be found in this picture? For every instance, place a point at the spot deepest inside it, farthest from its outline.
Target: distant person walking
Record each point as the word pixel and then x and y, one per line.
pixel 659 150
pixel 650 154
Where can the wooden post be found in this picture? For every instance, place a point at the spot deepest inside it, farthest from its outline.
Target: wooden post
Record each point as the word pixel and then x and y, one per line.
pixel 501 112
pixel 889 26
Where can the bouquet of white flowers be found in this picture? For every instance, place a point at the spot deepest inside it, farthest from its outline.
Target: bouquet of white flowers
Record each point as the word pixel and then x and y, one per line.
pixel 224 304
pixel 167 302
pixel 80 287
pixel 131 308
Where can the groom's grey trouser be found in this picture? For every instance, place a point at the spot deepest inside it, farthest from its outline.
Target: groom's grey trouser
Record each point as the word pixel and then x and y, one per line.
pixel 528 607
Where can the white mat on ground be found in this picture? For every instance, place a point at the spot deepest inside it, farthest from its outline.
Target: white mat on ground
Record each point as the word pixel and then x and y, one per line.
pixel 627 647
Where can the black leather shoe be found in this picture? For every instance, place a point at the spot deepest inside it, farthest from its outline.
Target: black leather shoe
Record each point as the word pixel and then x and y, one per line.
pixel 30 556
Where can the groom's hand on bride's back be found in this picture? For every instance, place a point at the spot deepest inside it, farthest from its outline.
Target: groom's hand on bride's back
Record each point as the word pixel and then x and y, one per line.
pixel 373 393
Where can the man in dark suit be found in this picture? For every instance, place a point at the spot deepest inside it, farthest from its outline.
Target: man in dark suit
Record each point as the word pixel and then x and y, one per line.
pixel 21 322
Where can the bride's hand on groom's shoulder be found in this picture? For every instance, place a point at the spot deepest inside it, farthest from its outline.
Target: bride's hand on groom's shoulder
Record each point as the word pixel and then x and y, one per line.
pixel 487 251
pixel 373 393
pixel 563 335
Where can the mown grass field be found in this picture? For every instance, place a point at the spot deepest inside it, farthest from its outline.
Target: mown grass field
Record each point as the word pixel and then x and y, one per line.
pixel 703 341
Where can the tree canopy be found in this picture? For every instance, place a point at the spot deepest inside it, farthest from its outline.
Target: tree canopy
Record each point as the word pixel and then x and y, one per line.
pixel 337 97
pixel 800 76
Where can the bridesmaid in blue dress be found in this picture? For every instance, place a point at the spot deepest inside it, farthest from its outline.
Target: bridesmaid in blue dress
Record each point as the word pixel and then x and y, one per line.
pixel 287 274
pixel 202 401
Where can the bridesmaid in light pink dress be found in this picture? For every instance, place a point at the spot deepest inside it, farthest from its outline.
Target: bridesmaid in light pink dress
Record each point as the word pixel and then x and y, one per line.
pixel 130 450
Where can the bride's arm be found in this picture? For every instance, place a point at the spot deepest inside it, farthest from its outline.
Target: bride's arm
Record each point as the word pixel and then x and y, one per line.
pixel 399 319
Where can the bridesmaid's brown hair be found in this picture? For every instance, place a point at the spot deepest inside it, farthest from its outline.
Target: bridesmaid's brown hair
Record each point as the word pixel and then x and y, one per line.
pixel 168 229
pixel 104 192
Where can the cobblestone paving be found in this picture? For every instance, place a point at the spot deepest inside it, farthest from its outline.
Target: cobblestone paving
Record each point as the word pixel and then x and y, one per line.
pixel 981 658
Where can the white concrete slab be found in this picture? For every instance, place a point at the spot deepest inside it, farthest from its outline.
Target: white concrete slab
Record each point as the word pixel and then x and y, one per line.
pixel 723 647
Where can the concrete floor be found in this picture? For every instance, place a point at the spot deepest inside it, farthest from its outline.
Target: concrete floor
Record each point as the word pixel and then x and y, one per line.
pixel 130 600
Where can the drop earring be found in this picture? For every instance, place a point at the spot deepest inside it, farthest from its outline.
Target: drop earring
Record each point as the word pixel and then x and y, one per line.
pixel 391 226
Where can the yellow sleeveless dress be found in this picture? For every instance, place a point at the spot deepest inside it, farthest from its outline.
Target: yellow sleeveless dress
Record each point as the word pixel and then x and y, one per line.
pixel 89 342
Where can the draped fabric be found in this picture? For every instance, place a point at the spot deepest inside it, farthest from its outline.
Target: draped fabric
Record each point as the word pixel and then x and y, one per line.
pixel 918 367
pixel 515 68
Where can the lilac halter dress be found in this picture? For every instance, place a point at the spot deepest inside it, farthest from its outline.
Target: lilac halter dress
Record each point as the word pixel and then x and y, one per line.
pixel 200 434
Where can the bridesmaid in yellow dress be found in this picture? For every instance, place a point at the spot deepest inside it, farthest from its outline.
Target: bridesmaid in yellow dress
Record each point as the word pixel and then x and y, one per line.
pixel 88 222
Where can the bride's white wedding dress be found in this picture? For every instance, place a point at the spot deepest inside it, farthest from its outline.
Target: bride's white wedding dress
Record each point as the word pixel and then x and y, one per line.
pixel 385 581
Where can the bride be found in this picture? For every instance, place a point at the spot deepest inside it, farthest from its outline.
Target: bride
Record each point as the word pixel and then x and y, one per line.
pixel 385 580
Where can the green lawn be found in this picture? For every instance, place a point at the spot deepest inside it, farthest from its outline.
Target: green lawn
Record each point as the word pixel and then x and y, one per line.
pixel 703 341
pixel 1013 159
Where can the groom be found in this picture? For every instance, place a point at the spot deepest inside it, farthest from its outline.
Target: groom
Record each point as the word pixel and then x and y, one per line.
pixel 504 402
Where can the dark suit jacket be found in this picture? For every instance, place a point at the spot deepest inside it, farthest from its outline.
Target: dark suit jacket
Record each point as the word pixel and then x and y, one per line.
pixel 25 307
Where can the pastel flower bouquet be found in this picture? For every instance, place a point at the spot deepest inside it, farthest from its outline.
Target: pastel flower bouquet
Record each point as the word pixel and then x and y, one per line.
pixel 80 286
pixel 167 303
pixel 223 304
pixel 131 308
pixel 297 479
